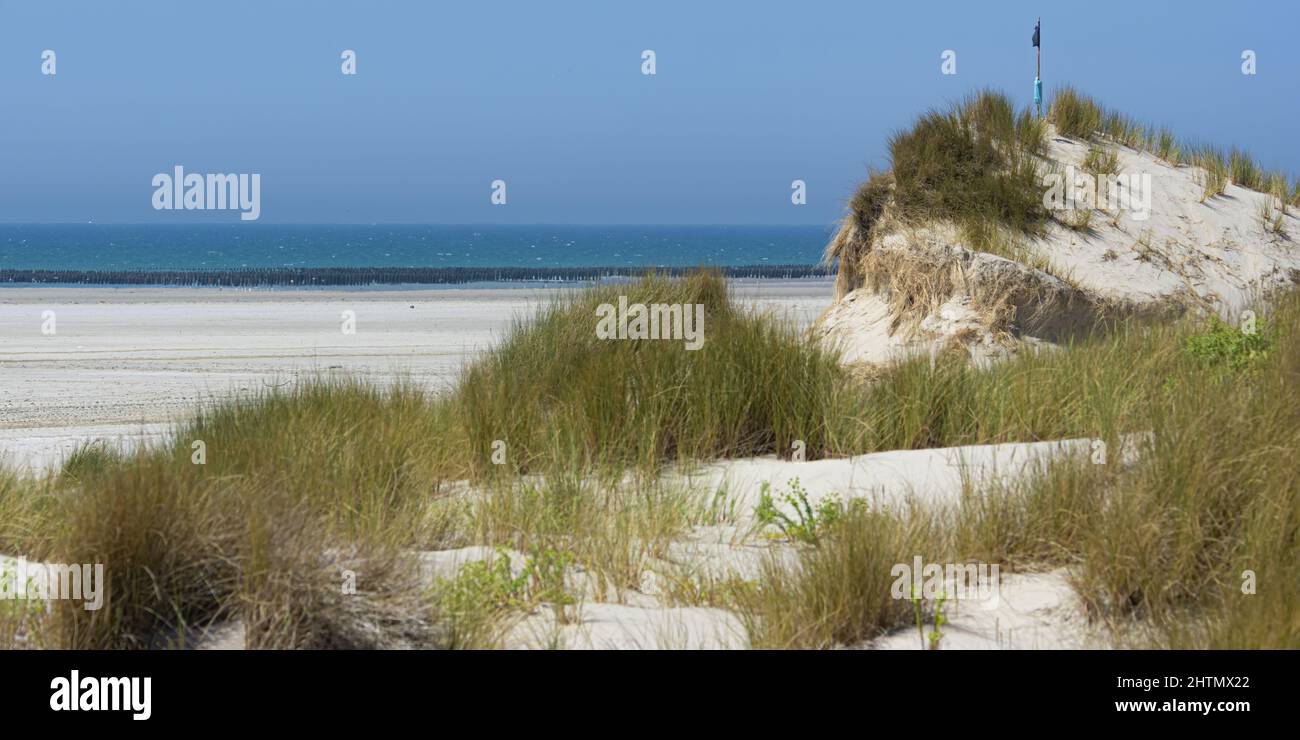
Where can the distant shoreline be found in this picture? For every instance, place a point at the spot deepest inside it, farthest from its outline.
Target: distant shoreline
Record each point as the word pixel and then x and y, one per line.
pixel 306 277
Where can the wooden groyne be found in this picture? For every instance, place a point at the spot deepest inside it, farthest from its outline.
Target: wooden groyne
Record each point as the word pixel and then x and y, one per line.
pixel 360 276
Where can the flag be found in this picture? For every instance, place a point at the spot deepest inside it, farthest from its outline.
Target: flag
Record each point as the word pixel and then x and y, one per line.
pixel 1036 34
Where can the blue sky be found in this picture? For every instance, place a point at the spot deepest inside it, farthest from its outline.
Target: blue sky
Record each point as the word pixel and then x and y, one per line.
pixel 549 96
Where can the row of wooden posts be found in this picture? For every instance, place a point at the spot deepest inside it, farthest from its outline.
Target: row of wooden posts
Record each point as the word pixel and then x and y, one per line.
pixel 359 276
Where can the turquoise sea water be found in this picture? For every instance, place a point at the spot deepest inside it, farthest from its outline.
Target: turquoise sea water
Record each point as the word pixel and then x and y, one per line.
pixel 244 246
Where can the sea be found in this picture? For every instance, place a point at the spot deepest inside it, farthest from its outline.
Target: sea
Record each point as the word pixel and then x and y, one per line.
pixel 354 254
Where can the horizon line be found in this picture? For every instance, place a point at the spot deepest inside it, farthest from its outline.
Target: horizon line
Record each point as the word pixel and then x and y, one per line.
pixel 246 224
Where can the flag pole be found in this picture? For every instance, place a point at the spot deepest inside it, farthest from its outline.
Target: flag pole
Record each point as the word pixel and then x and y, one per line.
pixel 1038 74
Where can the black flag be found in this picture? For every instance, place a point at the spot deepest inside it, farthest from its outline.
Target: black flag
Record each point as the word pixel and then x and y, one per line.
pixel 1035 34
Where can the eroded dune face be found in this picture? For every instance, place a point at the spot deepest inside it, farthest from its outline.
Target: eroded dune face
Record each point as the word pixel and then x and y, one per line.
pixel 911 288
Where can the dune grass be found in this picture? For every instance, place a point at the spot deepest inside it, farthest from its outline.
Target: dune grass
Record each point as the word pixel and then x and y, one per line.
pixel 839 592
pixel 1079 116
pixel 1194 544
pixel 610 530
pixel 1186 535
pixel 561 399
pixel 304 489
pixel 1101 161
pixel 972 166
pixel 301 488
pixel 977 165
pixel 1211 161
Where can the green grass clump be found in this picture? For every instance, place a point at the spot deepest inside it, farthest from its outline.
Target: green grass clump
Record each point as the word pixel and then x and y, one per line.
pixel 26 508
pixel 1216 172
pixel 610 530
pixel 1079 116
pixel 1076 115
pixel 1168 148
pixel 297 488
pixel 1101 160
pixel 869 200
pixel 1245 172
pixel 1278 188
pixel 840 592
pixel 1272 219
pixel 1120 128
pixel 1095 388
pixel 561 398
pixel 972 166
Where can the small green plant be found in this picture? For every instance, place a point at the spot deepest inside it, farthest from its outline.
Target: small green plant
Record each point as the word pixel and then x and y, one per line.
pixel 1226 346
pixel 932 640
pixel 23 619
pixel 89 459
pixel 545 575
pixel 22 624
pixel 483 592
pixel 470 603
pixel 918 611
pixel 940 619
pixel 809 522
pixel 487 583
